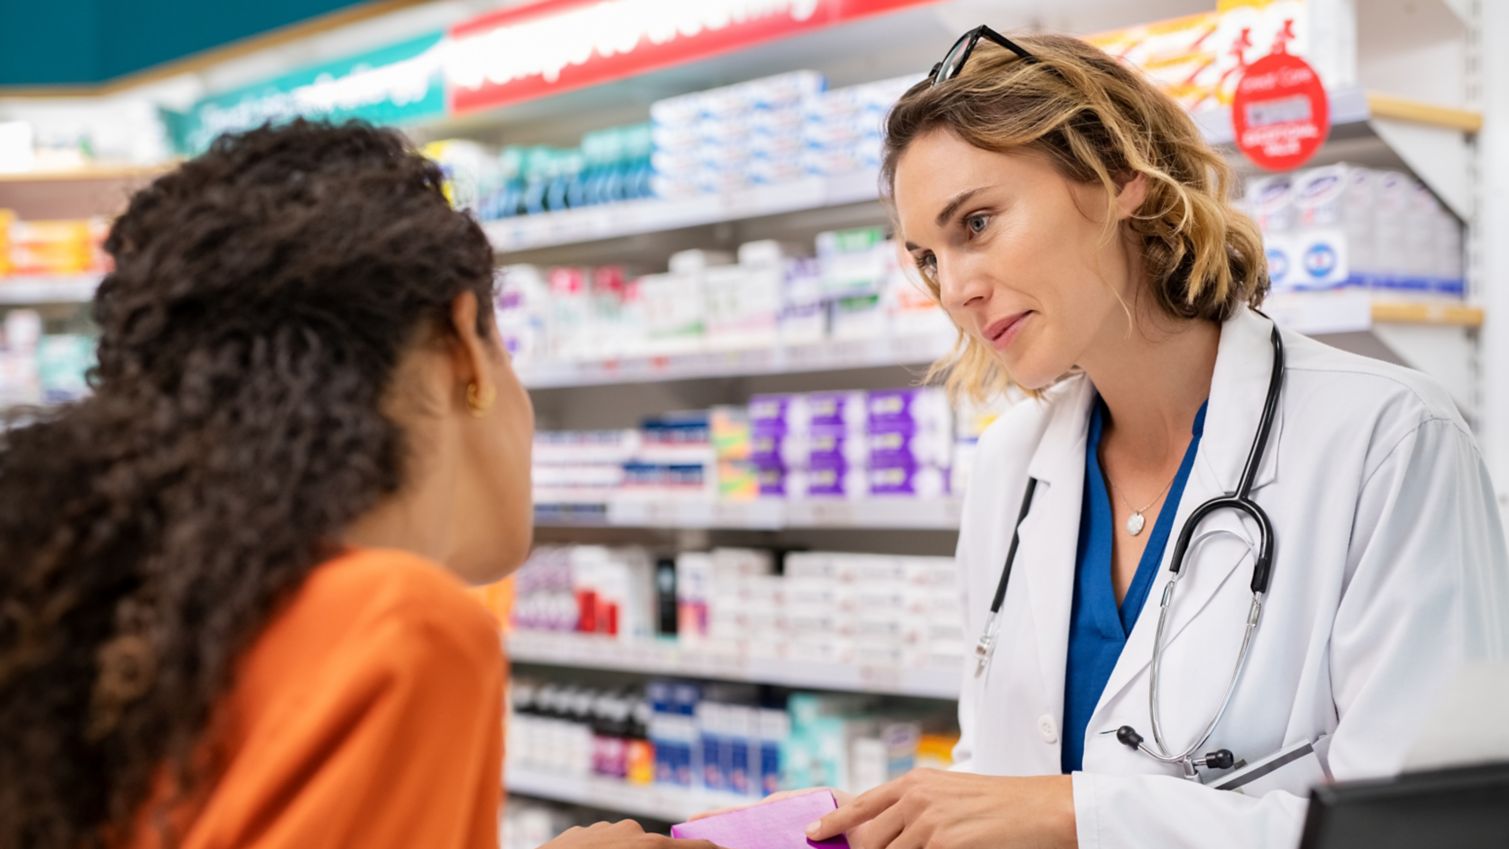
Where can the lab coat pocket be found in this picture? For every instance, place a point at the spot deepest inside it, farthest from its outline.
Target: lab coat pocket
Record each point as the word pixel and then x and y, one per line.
pixel 1294 769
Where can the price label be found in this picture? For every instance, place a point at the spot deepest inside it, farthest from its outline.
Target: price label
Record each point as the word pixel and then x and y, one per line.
pixel 953 510
pixel 628 512
pixel 830 513
pixel 691 514
pixel 881 677
pixel 1280 115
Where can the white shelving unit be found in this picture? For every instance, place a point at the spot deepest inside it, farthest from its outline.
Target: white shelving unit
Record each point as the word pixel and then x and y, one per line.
pixel 672 659
pixel 834 355
pixel 654 215
pixel 656 802
pixel 938 514
pixel 1430 140
pixel 20 291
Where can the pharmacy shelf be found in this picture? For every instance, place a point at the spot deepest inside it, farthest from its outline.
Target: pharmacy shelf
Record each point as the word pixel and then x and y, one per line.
pixel 653 802
pixel 86 173
pixel 73 289
pixel 836 355
pixel 1435 157
pixel 656 215
pixel 645 657
pixel 940 514
pixel 1355 106
pixel 1428 313
pixel 1432 141
pixel 1357 311
pixel 1314 313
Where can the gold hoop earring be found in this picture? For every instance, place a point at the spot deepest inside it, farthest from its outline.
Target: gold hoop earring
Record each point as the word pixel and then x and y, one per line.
pixel 479 398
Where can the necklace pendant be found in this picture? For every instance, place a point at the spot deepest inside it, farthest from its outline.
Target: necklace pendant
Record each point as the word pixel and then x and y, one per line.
pixel 1135 523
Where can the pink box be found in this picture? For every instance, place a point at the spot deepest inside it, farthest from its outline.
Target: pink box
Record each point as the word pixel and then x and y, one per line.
pixel 774 825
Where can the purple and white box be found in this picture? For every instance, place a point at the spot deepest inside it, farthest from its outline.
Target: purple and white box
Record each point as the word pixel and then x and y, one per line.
pixel 926 408
pixel 771 446
pixel 845 411
pixel 786 412
pixel 772 480
pixel 905 443
pixel 836 480
pixel 829 445
pixel 908 481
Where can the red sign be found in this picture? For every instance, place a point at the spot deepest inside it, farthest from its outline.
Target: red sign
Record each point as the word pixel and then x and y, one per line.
pixel 1280 113
pixel 554 46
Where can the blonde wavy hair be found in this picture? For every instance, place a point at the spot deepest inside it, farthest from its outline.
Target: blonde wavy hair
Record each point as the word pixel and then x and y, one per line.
pixel 1098 121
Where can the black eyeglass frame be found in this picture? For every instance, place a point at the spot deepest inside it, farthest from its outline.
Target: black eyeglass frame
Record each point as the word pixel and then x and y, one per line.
pixel 967 43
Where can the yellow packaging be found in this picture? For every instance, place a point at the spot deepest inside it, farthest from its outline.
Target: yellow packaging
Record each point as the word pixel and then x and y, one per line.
pixel 99 230
pixel 51 247
pixel 738 480
pixel 7 218
pixel 936 751
pixel 641 762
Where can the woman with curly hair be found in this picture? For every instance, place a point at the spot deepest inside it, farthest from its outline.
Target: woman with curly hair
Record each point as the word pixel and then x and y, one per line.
pixel 230 612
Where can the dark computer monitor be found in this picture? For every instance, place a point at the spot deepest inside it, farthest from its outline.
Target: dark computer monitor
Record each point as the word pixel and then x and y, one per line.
pixel 1462 808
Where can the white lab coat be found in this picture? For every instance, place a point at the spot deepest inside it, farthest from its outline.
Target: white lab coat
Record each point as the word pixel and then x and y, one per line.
pixel 1390 569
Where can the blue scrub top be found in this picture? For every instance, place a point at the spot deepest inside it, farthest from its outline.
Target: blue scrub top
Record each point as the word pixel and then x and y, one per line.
pixel 1098 628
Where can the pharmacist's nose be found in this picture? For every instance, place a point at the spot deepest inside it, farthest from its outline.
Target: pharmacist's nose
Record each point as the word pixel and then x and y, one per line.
pixel 963 284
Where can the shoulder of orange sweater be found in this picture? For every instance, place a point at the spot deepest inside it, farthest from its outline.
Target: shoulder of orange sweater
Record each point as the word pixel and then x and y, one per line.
pixel 404 589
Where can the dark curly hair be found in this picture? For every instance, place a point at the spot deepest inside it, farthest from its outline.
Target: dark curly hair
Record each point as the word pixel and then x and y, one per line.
pixel 262 296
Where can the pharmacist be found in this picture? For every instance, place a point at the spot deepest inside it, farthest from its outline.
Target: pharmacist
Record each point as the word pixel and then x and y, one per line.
pixel 1337 548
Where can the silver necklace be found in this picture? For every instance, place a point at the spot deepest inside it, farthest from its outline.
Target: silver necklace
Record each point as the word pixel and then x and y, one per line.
pixel 1137 521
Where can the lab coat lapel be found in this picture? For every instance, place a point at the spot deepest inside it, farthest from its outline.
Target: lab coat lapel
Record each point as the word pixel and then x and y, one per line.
pixel 1050 533
pixel 1238 389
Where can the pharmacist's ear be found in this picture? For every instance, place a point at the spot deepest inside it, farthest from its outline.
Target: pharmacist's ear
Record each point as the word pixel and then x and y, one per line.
pixel 1130 195
pixel 468 347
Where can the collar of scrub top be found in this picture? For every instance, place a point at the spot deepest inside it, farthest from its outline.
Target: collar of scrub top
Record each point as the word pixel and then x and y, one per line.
pixel 1238 387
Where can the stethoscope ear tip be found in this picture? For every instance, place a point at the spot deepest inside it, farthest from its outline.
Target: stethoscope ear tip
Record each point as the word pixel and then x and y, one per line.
pixel 1219 759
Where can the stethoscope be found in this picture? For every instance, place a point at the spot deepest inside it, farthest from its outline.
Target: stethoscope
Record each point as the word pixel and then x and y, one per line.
pixel 1262 568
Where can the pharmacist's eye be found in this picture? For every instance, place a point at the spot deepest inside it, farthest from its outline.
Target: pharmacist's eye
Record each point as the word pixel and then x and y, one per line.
pixel 976 223
pixel 927 263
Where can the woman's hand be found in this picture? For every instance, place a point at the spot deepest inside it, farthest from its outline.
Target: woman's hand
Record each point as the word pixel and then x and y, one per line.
pixel 957 810
pixel 620 835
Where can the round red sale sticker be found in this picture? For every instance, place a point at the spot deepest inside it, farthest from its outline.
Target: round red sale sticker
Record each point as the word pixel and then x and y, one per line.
pixel 1279 112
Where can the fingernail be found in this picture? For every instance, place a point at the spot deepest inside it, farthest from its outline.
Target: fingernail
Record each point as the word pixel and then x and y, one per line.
pixel 813 828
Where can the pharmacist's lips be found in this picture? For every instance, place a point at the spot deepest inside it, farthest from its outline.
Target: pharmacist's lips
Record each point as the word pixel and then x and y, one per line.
pixel 997 329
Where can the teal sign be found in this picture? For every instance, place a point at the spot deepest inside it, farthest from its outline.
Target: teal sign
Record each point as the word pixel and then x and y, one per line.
pixel 391 85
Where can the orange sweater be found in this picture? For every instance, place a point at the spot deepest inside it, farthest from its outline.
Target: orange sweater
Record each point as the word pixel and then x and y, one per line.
pixel 367 714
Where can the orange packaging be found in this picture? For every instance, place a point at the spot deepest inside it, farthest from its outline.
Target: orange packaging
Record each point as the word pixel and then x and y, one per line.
pixel 1198 59
pixel 51 247
pixel 936 751
pixel 7 218
pixel 641 757
pixel 99 230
